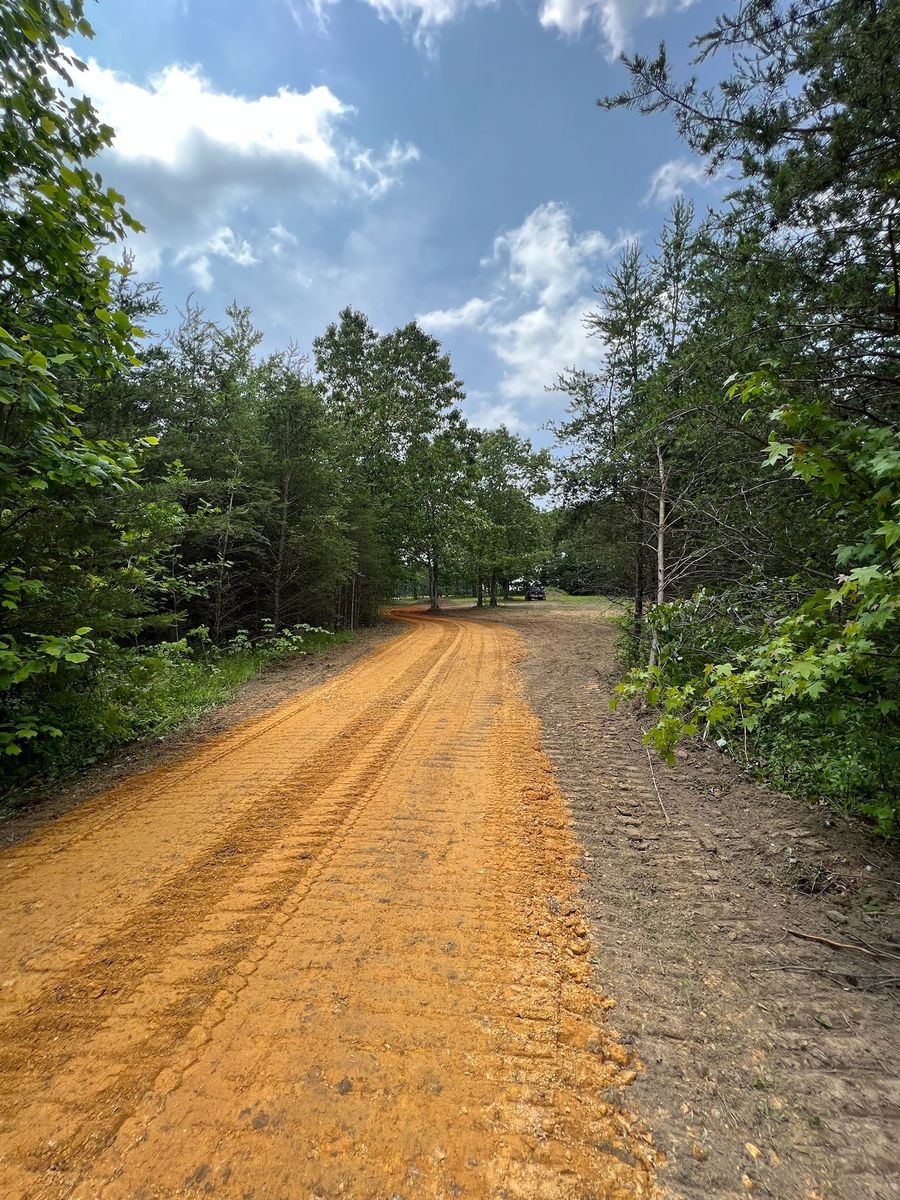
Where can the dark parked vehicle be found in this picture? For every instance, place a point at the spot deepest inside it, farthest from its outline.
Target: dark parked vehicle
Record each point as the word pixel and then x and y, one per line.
pixel 535 591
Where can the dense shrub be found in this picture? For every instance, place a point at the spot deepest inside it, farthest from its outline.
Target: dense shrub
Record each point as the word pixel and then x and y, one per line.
pixel 129 693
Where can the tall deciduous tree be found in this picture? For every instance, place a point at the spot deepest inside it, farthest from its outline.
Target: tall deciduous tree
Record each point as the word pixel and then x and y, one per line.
pixel 800 307
pixel 509 536
pixel 59 325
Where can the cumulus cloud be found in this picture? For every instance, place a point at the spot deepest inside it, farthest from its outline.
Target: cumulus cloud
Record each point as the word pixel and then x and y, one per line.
pixel 165 120
pixel 533 316
pixel 471 315
pixel 545 257
pixel 194 161
pixel 670 179
pixel 538 344
pixel 614 18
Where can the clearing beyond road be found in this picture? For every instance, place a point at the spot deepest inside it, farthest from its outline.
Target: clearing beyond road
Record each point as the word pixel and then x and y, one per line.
pixel 336 951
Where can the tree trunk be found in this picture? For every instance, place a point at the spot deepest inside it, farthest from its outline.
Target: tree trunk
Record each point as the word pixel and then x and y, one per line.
pixel 280 553
pixel 176 624
pixel 638 574
pixel 479 593
pixel 506 591
pixel 219 604
pixel 493 589
pixel 660 551
pixel 433 580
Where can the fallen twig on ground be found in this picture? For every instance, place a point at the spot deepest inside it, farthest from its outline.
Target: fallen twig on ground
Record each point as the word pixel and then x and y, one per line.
pixel 815 937
pixel 655 785
pixel 863 983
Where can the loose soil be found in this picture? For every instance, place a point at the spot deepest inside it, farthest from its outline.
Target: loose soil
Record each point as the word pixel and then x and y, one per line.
pixel 336 951
pixel 356 936
pixel 772 1062
pixel 274 684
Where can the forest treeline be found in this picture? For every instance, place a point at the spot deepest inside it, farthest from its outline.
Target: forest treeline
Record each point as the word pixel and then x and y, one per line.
pixel 178 509
pixel 738 455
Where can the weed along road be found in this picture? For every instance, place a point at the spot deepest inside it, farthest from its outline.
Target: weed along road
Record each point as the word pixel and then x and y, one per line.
pixel 334 952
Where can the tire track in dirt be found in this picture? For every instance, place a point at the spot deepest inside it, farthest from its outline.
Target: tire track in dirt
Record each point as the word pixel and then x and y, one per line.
pixel 60 1023
pixel 372 982
pixel 753 1038
pixel 110 807
pixel 315 757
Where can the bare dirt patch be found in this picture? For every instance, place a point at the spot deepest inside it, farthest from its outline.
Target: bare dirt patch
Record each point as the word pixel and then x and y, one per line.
pixel 336 951
pixel 772 1062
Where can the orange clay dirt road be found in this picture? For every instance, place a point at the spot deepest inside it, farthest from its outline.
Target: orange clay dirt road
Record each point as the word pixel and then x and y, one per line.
pixel 335 952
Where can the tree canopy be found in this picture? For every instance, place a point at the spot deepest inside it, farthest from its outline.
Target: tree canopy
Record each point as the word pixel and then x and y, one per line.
pixel 745 424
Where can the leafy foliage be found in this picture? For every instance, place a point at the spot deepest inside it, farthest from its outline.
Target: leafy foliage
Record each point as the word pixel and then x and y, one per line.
pixel 59 325
pixel 777 496
pixel 129 692
pixel 177 512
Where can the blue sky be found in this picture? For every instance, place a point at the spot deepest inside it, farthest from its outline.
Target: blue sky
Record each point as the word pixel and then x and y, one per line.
pixel 441 159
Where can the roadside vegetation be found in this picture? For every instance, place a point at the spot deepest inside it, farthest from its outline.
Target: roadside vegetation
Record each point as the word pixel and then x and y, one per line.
pixel 179 508
pixel 137 692
pixel 736 463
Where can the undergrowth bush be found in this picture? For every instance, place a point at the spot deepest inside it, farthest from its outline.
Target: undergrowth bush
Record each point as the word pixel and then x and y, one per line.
pixel 751 668
pixel 129 693
pixel 801 676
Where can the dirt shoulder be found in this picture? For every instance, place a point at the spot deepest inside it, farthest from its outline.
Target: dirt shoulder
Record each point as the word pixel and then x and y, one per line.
pixel 259 694
pixel 772 1062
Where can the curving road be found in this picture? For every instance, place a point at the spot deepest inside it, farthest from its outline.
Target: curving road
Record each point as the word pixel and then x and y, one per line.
pixel 336 952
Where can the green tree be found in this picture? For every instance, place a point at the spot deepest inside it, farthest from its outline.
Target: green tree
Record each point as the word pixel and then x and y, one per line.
pixel 509 537
pixel 610 458
pixel 350 379
pixel 403 442
pixel 431 445
pixel 801 288
pixel 59 326
pixel 305 554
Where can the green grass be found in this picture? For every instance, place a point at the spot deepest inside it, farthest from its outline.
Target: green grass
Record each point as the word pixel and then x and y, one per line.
pixel 617 604
pixel 133 694
pixel 192 686
pixel 607 605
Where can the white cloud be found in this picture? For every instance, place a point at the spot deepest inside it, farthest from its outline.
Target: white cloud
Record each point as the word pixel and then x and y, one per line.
pixel 294 13
pixel 533 316
pixel 538 344
pixel 669 179
pixel 198 164
pixel 421 17
pixel 167 120
pixel 280 238
pixel 380 172
pixel 488 414
pixel 613 18
pixel 224 244
pixel 471 315
pixel 546 257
